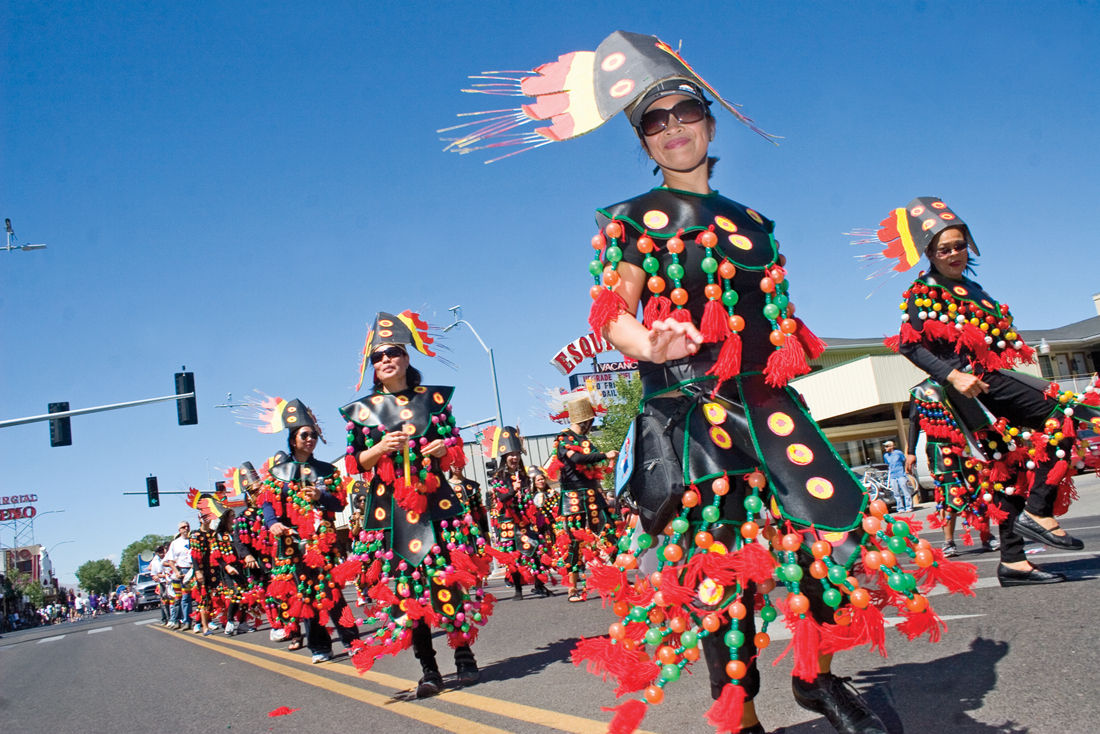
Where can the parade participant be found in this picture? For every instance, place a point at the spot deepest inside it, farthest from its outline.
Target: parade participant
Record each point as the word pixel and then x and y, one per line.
pixel 895 477
pixel 419 551
pixel 520 527
pixel 966 341
pixel 299 501
pixel 215 561
pixel 469 494
pixel 953 472
pixel 723 454
pixel 178 562
pixel 583 508
pixel 253 545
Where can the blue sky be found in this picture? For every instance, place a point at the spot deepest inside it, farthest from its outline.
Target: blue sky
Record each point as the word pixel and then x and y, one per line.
pixel 239 187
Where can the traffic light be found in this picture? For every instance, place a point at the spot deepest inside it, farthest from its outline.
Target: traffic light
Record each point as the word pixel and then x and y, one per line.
pixel 152 492
pixel 186 408
pixel 61 433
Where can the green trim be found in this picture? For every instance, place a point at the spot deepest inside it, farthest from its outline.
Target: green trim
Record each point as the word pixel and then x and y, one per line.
pixel 677 386
pixel 685 458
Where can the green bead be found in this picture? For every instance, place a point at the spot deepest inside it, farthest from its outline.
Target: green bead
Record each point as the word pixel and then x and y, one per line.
pixel 670 672
pixel 645 540
pixel 782 301
pixel 753 503
pixel 837 574
pixel 709 265
pixel 651 264
pixel 784 285
pixel 680 525
pixel 711 513
pixel 792 572
pixel 624 544
pixel 637 614
pixel 735 638
pixel 896 581
pixel 900 528
pixel 477 616
pixel 771 311
pixel 768 613
pixel 896 544
pixel 675 271
pixel 909 582
pixel 595 267
pixel 730 298
pixel 614 253
pixel 689 639
pixel 654 637
pixel 832 598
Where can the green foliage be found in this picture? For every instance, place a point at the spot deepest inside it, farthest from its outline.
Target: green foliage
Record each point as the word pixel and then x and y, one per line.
pixel 621 412
pixel 31 588
pixel 128 565
pixel 99 576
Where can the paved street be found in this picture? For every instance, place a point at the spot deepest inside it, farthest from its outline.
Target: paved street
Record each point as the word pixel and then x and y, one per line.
pixel 1012 660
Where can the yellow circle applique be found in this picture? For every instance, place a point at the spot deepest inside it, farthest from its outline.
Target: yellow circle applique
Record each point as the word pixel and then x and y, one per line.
pixel 438 398
pixel 710 591
pixel 379 514
pixel 420 389
pixel 415 545
pixel 800 453
pixel 444 595
pixel 717 547
pixel 655 219
pixel 402 590
pixel 959 291
pixel 755 217
pixel 928 224
pixel 613 61
pixel 987 304
pixel 292 419
pixel 917 210
pixel 401 399
pixel 412 517
pixel 947 216
pixel 409 428
pixel 385 332
pixel 819 487
pixel 774 507
pixel 833 537
pixel 406 414
pixel 780 424
pixel 385 322
pixel 377 399
pixel 720 437
pixel 714 413
pixel 444 504
pixel 364 414
pixel 726 224
pixel 621 88
pixel 740 241
pixel 449 610
pixel 938 205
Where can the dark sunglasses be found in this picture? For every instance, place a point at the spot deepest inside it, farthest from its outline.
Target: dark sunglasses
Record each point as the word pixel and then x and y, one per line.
pixel 951 249
pixel 391 352
pixel 306 435
pixel 686 111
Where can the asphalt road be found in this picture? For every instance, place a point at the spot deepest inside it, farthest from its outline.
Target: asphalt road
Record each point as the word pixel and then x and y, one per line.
pixel 1012 660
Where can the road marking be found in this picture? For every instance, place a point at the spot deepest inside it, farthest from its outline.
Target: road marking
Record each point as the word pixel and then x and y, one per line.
pixel 145 621
pixel 101 629
pixel 521 712
pixel 51 639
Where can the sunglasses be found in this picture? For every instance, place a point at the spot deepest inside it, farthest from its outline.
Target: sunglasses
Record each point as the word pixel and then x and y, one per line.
pixel 951 249
pixel 391 352
pixel 307 435
pixel 685 112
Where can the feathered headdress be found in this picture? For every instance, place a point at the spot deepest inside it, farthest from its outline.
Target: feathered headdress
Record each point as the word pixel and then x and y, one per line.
pixel 575 94
pixel 497 442
pixel 406 328
pixel 907 232
pixel 559 404
pixel 239 481
pixel 271 415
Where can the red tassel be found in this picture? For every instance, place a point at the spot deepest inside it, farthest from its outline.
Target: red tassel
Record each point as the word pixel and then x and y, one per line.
pixel 631 669
pixel 786 363
pixel 806 643
pixel 956 576
pixel 656 308
pixel 1069 427
pixel 916 624
pixel 728 363
pixel 867 627
pixel 681 314
pixel 351 465
pixel 672 591
pixel 715 325
pixel 346 571
pixel 908 334
pixel 1067 494
pixel 347 619
pixel 1057 473
pixel 628 716
pixel 605 309
pixel 725 714
pixel 813 345
pixel 752 563
pixel 893 343
pixel 384 469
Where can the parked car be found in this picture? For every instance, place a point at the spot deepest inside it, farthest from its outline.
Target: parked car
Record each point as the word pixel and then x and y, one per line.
pixel 146 591
pixel 1089 440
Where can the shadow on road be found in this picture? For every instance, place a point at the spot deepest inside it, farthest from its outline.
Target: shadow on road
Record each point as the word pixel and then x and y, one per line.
pixel 533 662
pixel 935 696
pixel 1081 569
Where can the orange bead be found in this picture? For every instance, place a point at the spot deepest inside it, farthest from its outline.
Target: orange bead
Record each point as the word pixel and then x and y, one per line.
pixel 790 309
pixel 777 338
pixel 703 539
pixel 761 640
pixel 756 480
pixel 720 486
pixel 798 603
pixel 707 239
pixel 657 616
pixel 736 669
pixel 614 230
pixel 598 241
pixel 737 610
pixel 749 530
pixel 889 559
pixel 878 508
pixel 872 560
pixel 690 498
pixel 626 560
pixel 821 548
pixel 679 296
pixel 655 579
pixel 777 274
pixel 659 599
pixel 673 553
pixel 924 558
pixel 677 625
pixel 617 630
pixel 792 542
pixel 843 616
pixel 655 284
pixel 871 525
pixel 667 655
pixel 782 260
pixel 788 326
pixel 712 291
pixel 611 278
pixel 767 284
pixel 766 586
pixel 917 604
pixel 692 653
pixel 819 570
pixel 712 622
pixel 726 270
pixel 737 323
pixel 654 694
pixel 675 245
pixel 595 291
pixel 645 244
pixel 621 608
pixel 667 530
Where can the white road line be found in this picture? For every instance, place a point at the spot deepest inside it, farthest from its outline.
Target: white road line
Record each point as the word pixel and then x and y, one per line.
pixel 145 621
pixel 50 639
pixel 782 633
pixel 101 629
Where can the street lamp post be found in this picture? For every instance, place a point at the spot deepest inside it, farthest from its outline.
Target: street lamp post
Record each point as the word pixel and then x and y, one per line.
pixel 11 236
pixel 456 311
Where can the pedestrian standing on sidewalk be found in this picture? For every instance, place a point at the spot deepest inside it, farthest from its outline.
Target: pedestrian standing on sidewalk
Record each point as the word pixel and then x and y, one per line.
pixel 179 563
pixel 896 478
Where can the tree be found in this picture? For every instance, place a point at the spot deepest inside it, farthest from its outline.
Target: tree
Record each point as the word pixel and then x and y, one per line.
pixel 621 412
pixel 128 565
pixel 30 587
pixel 99 576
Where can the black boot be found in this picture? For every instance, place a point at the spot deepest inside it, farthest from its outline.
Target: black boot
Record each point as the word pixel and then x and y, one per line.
pixel 838 701
pixel 541 590
pixel 468 673
pixel 517 581
pixel 432 682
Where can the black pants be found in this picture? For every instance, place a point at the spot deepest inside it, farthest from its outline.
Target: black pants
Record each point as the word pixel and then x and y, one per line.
pixel 425 653
pixel 317 637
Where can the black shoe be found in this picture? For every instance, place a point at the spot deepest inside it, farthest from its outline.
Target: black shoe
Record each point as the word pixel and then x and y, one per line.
pixel 542 591
pixel 1011 577
pixel 430 685
pixel 1032 530
pixel 838 701
pixel 519 593
pixel 468 674
pixel 756 728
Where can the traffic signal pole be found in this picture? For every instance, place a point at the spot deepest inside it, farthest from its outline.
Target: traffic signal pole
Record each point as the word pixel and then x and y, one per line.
pixel 97 409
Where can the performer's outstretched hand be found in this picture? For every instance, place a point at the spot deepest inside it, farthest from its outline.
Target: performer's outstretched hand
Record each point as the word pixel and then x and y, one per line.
pixel 671 339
